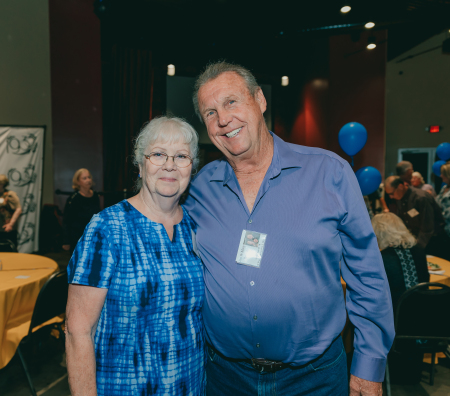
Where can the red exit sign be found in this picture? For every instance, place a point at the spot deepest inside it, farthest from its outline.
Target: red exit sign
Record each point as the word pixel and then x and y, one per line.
pixel 434 128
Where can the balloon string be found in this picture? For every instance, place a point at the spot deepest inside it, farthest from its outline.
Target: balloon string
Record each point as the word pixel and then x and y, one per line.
pixel 352 161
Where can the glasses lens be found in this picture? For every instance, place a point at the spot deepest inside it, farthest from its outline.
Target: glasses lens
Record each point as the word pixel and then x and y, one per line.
pixel 182 161
pixel 158 158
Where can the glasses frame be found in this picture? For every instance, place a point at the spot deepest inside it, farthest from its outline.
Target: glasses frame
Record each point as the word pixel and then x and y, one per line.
pixel 149 156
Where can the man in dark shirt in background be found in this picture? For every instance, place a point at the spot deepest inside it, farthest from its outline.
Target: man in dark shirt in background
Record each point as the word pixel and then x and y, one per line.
pixel 421 215
pixel 405 170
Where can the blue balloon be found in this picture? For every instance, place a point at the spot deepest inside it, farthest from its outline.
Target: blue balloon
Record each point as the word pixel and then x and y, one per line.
pixel 369 179
pixel 437 167
pixel 352 138
pixel 443 151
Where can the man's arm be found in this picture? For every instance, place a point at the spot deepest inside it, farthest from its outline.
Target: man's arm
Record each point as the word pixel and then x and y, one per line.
pixel 368 299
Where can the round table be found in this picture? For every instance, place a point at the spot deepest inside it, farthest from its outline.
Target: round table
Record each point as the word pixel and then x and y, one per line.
pixel 445 265
pixel 21 278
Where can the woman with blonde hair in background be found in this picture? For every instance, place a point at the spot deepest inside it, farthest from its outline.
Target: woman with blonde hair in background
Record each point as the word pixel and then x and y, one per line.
pixel 80 207
pixel 418 182
pixel 405 262
pixel 10 211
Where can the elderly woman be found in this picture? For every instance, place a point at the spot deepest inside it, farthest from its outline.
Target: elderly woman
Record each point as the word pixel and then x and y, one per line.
pixel 443 199
pixel 134 324
pixel 10 210
pixel 405 262
pixel 80 207
pixel 418 182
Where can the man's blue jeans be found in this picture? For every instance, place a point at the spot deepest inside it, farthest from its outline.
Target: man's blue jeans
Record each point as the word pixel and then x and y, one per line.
pixel 325 376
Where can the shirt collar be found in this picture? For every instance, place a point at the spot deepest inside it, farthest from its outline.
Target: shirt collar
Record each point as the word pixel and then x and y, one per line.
pixel 407 194
pixel 283 158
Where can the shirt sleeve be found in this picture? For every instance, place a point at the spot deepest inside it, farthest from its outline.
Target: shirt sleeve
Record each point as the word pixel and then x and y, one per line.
pixel 368 299
pixel 13 200
pixel 93 262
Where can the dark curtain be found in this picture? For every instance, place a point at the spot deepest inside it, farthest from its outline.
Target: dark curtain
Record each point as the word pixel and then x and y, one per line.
pixel 127 99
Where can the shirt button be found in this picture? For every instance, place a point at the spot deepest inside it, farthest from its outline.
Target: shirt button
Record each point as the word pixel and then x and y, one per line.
pixel 252 283
pixel 255 317
pixel 250 221
pixel 257 345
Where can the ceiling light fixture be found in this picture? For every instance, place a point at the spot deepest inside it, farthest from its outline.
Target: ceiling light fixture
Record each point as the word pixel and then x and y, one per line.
pixel 170 70
pixel 345 9
pixel 371 43
pixel 369 25
pixel 284 81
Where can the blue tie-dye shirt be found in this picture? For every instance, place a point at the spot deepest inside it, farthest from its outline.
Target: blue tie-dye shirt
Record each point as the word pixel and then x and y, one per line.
pixel 149 338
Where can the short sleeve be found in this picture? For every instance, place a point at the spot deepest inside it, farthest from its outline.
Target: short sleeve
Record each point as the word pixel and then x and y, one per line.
pixel 13 200
pixel 93 261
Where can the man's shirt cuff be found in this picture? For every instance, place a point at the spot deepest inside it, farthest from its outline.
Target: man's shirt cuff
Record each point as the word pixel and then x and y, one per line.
pixel 367 367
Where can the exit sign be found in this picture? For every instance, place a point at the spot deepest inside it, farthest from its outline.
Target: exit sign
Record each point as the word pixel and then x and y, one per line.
pixel 434 128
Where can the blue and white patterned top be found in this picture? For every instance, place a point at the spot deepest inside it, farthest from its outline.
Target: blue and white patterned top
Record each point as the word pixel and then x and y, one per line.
pixel 149 338
pixel 443 199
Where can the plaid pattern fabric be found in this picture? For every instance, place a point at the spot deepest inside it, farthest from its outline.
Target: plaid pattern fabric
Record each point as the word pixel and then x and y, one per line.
pixel 149 338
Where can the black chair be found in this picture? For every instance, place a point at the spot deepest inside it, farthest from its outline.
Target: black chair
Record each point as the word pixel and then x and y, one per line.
pixel 7 246
pixel 422 321
pixel 51 302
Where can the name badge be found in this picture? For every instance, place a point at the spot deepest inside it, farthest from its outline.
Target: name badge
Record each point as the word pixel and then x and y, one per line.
pixel 251 248
pixel 2 200
pixel 413 212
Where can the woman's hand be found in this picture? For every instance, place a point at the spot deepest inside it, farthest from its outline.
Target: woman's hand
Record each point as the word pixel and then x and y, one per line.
pixel 7 227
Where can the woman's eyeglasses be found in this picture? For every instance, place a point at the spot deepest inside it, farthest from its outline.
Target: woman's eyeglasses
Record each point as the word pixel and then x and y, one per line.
pixel 159 159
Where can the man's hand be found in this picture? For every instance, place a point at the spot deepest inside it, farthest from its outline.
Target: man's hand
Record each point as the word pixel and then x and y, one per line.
pixel 362 387
pixel 66 247
pixel 7 228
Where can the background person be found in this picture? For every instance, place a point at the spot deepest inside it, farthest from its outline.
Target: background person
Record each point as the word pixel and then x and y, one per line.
pixel 443 199
pixel 405 169
pixel 405 262
pixel 278 326
pixel 134 324
pixel 80 207
pixel 10 211
pixel 418 182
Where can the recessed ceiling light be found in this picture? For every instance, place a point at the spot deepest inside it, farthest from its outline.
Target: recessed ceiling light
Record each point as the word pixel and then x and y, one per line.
pixel 371 46
pixel 285 81
pixel 345 9
pixel 369 25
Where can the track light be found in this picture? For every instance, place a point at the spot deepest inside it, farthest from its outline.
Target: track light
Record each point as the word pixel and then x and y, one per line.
pixel 369 25
pixel 371 43
pixel 170 70
pixel 284 81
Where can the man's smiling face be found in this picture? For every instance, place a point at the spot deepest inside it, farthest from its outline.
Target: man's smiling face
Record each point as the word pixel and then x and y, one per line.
pixel 233 117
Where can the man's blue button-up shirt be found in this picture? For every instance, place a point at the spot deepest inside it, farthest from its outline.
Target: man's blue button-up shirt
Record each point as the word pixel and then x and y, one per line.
pixel 292 307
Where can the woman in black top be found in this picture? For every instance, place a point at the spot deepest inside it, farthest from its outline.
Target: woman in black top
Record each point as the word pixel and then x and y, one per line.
pixel 404 261
pixel 406 266
pixel 79 209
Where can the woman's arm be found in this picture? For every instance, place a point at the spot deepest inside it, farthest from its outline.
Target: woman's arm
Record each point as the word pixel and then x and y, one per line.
pixel 84 306
pixel 10 226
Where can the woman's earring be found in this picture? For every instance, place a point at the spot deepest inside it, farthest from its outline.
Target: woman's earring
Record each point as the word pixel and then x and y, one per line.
pixel 139 175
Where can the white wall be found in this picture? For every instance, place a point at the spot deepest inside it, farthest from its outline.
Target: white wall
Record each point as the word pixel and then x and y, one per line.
pixel 25 95
pixel 417 95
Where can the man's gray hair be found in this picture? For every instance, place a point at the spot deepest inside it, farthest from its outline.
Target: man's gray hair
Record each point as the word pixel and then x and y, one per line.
pixel 167 129
pixel 214 70
pixel 402 167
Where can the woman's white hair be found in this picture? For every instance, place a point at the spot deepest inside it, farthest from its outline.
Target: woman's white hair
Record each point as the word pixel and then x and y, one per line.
pixel 419 176
pixel 392 232
pixel 165 129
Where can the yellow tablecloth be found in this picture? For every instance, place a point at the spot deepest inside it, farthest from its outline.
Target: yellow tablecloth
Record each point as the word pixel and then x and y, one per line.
pixel 21 279
pixel 445 265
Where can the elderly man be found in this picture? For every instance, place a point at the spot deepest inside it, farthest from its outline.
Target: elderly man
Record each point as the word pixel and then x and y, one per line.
pixel 405 170
pixel 274 311
pixel 421 215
